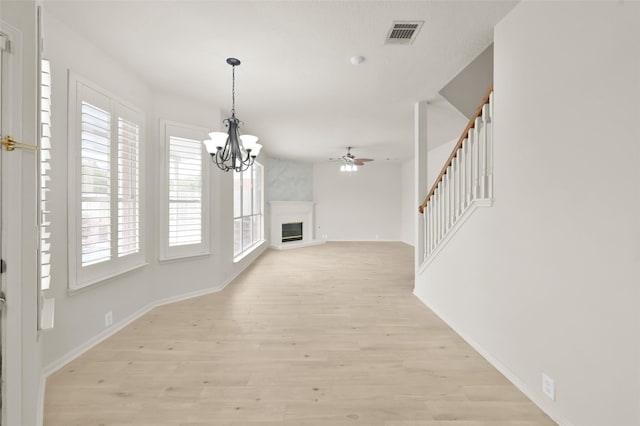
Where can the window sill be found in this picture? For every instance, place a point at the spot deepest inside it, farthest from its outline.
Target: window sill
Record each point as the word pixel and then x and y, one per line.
pixel 176 258
pixel 248 251
pixel 99 281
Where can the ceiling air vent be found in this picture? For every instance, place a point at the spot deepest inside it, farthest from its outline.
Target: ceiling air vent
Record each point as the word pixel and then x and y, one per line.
pixel 403 32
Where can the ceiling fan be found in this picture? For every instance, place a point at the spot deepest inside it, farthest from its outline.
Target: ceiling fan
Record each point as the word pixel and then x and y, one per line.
pixel 350 159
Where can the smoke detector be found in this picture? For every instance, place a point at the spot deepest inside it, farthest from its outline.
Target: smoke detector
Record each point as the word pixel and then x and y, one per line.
pixel 403 32
pixel 357 60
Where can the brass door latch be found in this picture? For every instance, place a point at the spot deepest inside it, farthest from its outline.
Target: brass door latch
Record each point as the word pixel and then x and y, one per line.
pixel 10 144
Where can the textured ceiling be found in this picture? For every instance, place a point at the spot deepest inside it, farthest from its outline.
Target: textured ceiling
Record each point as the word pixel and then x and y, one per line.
pixel 296 88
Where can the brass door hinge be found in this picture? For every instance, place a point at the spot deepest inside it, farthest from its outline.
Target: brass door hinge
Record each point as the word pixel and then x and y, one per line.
pixel 10 144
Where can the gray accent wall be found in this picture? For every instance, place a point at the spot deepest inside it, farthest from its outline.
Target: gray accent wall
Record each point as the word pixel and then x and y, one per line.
pixel 288 180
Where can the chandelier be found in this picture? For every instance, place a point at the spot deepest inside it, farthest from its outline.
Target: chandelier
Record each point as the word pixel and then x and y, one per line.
pixel 231 150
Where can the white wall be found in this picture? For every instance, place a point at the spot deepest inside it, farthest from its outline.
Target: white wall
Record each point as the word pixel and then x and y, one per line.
pixel 80 316
pixel 365 205
pixel 409 208
pixel 546 281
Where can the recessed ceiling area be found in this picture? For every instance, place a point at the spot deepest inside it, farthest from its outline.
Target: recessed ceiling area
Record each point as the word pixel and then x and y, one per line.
pixel 296 88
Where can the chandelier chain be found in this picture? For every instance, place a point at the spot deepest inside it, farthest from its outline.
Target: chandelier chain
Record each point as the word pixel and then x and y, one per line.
pixel 233 90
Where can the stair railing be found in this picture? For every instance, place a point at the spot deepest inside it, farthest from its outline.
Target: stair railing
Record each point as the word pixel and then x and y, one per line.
pixel 465 182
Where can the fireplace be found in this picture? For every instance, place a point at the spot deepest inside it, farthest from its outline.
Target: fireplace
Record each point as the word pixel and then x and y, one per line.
pixel 292 224
pixel 291 232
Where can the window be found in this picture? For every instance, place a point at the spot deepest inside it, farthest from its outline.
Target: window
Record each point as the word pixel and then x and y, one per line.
pixel 247 209
pixel 46 304
pixel 184 213
pixel 106 185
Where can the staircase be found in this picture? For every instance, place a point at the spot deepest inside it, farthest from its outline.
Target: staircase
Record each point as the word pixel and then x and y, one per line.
pixel 465 182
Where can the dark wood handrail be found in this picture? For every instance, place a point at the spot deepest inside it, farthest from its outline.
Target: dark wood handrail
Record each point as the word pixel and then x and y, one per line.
pixel 454 154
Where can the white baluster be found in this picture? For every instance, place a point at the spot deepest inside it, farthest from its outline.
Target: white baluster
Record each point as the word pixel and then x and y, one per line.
pixel 454 190
pixel 427 224
pixel 463 170
pixel 469 170
pixel 456 183
pixel 445 187
pixel 432 221
pixel 447 193
pixel 445 202
pixel 441 210
pixel 425 241
pixel 482 149
pixel 452 180
pixel 450 175
pixel 439 206
pixel 476 160
pixel 433 225
pixel 472 160
pixel 460 181
pixel 489 124
pixel 436 217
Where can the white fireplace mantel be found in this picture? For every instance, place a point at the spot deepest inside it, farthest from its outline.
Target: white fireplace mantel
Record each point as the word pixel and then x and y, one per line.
pixel 292 212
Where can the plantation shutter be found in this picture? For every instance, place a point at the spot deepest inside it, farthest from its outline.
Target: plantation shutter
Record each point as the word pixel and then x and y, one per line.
pixel 185 191
pixel 95 184
pixel 128 187
pixel 45 178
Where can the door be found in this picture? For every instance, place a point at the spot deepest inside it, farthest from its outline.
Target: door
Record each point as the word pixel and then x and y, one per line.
pixel 19 349
pixel 3 48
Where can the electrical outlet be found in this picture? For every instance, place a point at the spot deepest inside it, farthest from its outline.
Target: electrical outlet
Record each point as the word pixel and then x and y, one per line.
pixel 108 319
pixel 548 387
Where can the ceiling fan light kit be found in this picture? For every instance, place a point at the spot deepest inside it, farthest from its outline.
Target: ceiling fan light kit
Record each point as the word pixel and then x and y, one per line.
pixel 231 150
pixel 348 168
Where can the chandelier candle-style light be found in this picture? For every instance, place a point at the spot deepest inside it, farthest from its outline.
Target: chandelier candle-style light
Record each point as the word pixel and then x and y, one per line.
pixel 231 150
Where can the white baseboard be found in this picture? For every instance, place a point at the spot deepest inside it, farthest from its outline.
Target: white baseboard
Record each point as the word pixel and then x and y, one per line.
pixel 361 240
pixel 192 294
pixel 536 398
pixel 408 243
pixel 297 244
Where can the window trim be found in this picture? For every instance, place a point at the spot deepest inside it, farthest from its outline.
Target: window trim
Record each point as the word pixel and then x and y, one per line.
pixel 165 252
pixel 79 277
pixel 257 243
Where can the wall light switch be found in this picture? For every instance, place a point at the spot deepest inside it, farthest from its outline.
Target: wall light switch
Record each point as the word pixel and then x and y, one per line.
pixel 108 319
pixel 548 387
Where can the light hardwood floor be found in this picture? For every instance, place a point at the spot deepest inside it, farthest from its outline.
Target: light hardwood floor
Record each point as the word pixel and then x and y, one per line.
pixel 326 335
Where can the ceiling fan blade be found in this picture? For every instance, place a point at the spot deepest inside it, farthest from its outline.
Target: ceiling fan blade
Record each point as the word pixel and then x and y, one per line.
pixel 358 163
pixel 364 159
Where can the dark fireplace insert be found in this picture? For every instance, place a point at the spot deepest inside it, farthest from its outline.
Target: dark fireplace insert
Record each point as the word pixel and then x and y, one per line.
pixel 291 232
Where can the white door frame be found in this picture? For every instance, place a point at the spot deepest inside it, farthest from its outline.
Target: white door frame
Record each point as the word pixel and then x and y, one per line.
pixel 12 313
